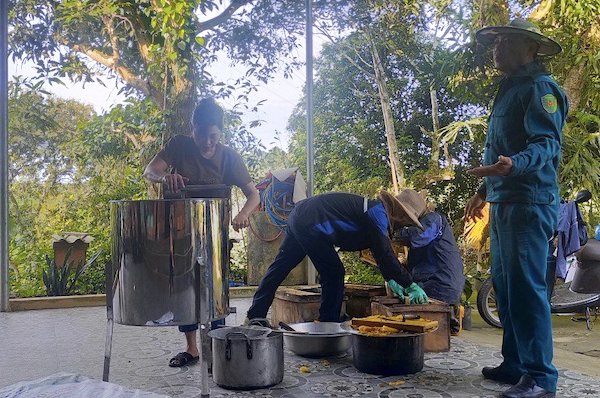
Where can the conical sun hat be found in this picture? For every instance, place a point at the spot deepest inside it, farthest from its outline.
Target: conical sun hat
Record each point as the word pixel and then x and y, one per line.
pixel 487 35
pixel 407 202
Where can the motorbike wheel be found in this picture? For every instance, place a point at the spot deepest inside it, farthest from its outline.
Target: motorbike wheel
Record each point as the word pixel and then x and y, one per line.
pixel 486 304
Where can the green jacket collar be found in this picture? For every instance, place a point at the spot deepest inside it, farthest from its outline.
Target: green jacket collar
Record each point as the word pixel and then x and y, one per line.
pixel 531 69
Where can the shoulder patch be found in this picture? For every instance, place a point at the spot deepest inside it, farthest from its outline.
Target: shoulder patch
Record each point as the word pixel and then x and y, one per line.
pixel 550 103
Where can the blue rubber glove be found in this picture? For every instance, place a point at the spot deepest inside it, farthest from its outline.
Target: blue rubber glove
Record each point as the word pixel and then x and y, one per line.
pixel 416 294
pixel 396 288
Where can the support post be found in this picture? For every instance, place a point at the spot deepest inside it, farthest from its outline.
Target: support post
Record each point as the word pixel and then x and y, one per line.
pixel 4 285
pixel 310 154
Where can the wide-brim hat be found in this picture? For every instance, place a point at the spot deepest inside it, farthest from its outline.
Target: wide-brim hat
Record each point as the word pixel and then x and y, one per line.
pixel 408 202
pixel 487 35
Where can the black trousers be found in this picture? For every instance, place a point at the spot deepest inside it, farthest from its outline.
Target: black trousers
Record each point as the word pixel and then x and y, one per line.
pixel 296 245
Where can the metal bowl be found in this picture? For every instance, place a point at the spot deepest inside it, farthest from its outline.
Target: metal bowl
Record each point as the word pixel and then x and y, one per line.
pixel 318 339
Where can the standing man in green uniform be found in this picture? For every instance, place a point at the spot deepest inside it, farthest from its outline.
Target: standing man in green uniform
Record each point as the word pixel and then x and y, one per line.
pixel 520 162
pixel 202 160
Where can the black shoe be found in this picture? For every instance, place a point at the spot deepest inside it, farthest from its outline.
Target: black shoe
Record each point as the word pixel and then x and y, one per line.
pixel 497 374
pixel 526 388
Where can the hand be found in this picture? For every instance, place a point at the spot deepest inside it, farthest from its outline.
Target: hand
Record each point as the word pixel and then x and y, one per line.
pixel 396 288
pixel 174 182
pixel 474 207
pixel 501 168
pixel 416 294
pixel 240 221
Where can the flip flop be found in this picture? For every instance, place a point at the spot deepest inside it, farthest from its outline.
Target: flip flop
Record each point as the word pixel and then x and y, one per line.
pixel 182 359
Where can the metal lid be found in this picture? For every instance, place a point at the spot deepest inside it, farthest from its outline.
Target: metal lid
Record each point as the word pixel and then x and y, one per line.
pixel 251 332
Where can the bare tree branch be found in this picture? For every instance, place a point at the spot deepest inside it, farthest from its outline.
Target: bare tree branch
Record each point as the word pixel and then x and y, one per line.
pixel 364 61
pixel 141 35
pixel 108 61
pixel 114 40
pixel 369 66
pixel 222 17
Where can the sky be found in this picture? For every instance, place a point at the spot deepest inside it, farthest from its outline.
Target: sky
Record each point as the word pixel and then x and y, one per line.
pixel 281 96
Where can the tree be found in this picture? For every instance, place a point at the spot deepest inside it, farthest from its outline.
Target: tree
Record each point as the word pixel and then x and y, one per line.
pixel 367 19
pixel 160 49
pixel 66 164
pixel 350 138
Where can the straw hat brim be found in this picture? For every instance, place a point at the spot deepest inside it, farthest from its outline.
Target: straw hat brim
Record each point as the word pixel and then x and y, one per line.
pixel 486 36
pixel 411 213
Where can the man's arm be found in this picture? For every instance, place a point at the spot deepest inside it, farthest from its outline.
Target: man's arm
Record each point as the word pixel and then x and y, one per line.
pixel 252 201
pixel 474 207
pixel 381 247
pixel 544 120
pixel 421 238
pixel 156 171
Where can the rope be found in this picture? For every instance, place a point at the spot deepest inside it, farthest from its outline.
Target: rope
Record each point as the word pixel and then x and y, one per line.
pixel 263 239
pixel 277 207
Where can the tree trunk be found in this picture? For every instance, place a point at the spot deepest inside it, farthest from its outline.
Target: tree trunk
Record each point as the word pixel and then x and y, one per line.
pixel 178 109
pixel 390 133
pixel 434 162
pixel 179 115
pixel 448 156
pixel 572 85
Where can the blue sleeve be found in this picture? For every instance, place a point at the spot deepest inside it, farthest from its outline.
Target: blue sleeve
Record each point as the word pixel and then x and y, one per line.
pixel 378 217
pixel 545 113
pixel 432 224
pixel 381 247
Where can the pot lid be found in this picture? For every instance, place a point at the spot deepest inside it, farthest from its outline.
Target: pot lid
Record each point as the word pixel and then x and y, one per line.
pixel 251 332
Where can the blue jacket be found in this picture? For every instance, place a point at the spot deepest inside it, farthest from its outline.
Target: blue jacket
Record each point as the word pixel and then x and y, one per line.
pixel 526 124
pixel 350 222
pixel 434 259
pixel 568 235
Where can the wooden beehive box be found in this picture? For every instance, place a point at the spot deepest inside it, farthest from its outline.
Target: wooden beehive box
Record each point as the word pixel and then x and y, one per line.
pixel 298 304
pixel 435 310
pixel 359 298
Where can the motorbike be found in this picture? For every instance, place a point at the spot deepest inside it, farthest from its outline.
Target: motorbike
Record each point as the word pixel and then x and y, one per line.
pixel 579 295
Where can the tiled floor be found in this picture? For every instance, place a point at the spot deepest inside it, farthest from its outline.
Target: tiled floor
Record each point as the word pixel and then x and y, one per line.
pixel 35 344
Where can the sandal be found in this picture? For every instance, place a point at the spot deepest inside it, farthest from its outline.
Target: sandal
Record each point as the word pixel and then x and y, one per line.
pixel 182 359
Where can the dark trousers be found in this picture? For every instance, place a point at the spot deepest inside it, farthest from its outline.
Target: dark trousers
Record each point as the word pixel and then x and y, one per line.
pixel 520 235
pixel 296 245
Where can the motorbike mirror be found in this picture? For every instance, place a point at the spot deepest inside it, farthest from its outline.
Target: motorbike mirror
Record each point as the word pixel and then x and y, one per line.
pixel 583 196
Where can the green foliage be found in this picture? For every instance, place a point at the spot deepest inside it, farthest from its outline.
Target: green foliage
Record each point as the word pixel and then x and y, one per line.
pixel 467 293
pixel 66 163
pixel 357 271
pixel 581 150
pixel 60 280
pixel 160 50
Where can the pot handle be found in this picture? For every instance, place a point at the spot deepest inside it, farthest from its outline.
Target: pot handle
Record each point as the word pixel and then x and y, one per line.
pixel 228 345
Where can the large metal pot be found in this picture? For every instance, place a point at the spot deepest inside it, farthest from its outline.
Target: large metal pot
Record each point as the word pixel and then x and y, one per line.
pixel 317 339
pixel 246 358
pixel 391 355
pixel 169 261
